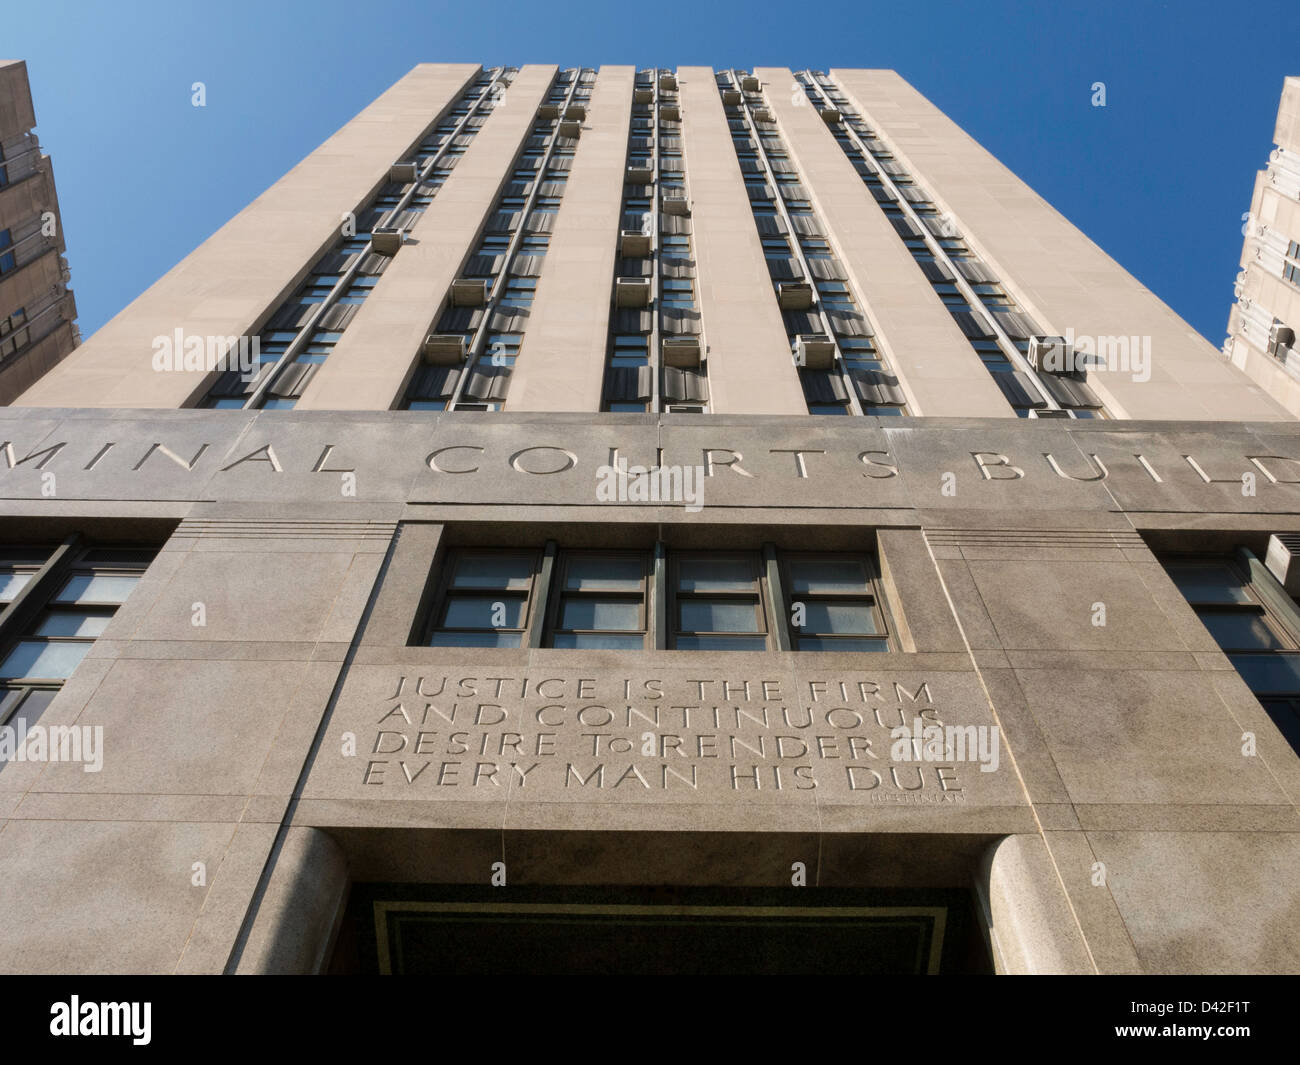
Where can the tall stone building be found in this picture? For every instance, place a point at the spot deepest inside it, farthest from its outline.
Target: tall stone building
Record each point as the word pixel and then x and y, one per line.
pixel 37 309
pixel 1263 322
pixel 598 519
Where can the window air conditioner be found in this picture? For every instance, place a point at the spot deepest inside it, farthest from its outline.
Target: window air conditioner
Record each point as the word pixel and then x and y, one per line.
pixel 675 202
pixel 386 239
pixel 814 351
pixel 1280 337
pixel 632 292
pixel 468 292
pixel 681 352
pixel 794 295
pixel 1051 355
pixel 444 349
pixel 633 244
pixel 1283 560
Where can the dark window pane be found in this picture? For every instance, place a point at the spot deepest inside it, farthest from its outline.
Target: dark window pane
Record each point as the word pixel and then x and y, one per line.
pixel 721 643
pixel 598 641
pixel 475 639
pixel 817 643
pixel 11 584
pixel 1240 631
pixel 513 572
pixel 825 617
pixel 38 659
pixel 83 623
pixel 96 588
pixel 827 575
pixel 1209 584
pixel 715 575
pixel 713 615
pixel 483 612
pixel 613 614
pixel 1275 673
pixel 603 574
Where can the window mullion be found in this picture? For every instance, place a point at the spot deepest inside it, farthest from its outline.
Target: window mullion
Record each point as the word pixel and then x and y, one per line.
pixel 37 592
pixel 541 597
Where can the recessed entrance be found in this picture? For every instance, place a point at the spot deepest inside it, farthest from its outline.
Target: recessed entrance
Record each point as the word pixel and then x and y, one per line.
pixel 446 930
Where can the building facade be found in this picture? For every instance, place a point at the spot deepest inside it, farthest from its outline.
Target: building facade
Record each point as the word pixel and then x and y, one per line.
pixel 614 498
pixel 1263 321
pixel 37 309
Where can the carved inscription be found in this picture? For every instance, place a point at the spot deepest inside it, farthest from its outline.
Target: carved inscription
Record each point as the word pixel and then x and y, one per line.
pixel 634 735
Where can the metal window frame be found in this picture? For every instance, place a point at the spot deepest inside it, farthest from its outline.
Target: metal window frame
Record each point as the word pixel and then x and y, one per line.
pixel 559 595
pixel 446 588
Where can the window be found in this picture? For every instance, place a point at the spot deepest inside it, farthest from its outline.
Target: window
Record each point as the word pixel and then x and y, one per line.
pixel 831 602
pixel 600 601
pixel 1255 623
pixel 519 291
pixel 62 600
pixel 7 261
pixel 631 350
pixel 485 600
pixel 678 292
pixel 717 603
pixel 714 600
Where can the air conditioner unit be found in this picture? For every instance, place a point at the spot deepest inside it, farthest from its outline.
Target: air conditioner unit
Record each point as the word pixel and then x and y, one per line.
pixel 731 97
pixel 762 114
pixel 633 244
pixel 670 112
pixel 468 292
pixel 570 128
pixel 794 295
pixel 385 239
pixel 1280 337
pixel 640 174
pixel 577 111
pixel 667 82
pixel 675 202
pixel 403 173
pixel 444 349
pixel 643 94
pixel 548 111
pixel 681 352
pixel 632 292
pixel 830 115
pixel 814 351
pixel 749 83
pixel 1051 355
pixel 1283 560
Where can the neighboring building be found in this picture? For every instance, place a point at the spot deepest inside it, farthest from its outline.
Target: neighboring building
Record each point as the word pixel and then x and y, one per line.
pixel 518 600
pixel 1265 320
pixel 37 309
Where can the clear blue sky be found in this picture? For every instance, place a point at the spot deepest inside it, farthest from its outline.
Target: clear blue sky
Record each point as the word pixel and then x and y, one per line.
pixel 1159 177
